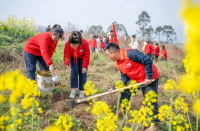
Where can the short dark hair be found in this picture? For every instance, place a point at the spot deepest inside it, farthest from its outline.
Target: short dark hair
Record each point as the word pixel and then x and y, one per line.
pixel 75 38
pixel 157 44
pixel 81 31
pixel 149 42
pixel 163 47
pixel 57 31
pixel 111 31
pixel 133 36
pixel 112 47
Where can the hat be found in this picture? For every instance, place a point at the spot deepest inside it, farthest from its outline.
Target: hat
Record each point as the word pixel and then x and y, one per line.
pixel 99 36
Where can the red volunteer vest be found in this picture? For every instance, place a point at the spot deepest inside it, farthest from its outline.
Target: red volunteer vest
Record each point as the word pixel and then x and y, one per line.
pixel 134 70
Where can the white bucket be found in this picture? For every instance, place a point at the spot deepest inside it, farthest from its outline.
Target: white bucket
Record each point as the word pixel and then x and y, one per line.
pixel 44 81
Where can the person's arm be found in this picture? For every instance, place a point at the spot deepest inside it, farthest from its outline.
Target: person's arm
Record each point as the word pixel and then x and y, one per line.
pixel 67 54
pixel 44 48
pixel 124 78
pixel 86 55
pixel 139 57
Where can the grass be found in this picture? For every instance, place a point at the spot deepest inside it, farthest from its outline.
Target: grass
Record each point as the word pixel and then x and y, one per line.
pixel 103 73
pixel 58 55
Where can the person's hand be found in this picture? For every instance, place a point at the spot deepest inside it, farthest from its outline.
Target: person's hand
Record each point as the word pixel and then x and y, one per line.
pixel 111 91
pixel 51 68
pixel 84 70
pixel 67 67
pixel 148 81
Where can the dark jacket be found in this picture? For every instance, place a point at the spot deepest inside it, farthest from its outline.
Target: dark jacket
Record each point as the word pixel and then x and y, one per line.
pixel 48 29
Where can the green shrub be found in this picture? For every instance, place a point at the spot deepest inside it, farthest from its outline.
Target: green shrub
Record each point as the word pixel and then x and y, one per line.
pixel 13 29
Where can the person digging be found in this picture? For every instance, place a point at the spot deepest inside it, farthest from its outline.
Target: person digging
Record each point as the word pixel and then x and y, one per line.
pixel 134 65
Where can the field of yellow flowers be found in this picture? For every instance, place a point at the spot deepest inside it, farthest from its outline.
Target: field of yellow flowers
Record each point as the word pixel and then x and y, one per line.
pixel 15 30
pixel 23 107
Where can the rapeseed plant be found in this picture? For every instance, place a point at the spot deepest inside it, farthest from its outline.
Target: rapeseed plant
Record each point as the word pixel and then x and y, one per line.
pixel 119 84
pixel 21 90
pixel 89 88
pixel 12 29
pixel 105 118
pixel 64 123
pixel 190 81
pixel 180 105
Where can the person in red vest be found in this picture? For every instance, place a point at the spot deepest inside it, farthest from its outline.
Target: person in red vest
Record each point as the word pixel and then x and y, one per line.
pixel 102 44
pixel 176 50
pixel 149 50
pixel 156 52
pixel 134 65
pixel 164 53
pixel 93 44
pixel 39 49
pixel 77 55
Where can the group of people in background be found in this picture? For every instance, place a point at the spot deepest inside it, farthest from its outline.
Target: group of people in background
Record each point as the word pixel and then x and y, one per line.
pixel 148 48
pixel 98 43
pixel 154 52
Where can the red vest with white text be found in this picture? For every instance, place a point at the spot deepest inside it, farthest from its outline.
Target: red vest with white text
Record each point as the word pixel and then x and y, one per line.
pixel 134 70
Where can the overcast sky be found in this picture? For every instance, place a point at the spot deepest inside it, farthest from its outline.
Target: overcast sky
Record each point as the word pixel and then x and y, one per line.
pixel 85 13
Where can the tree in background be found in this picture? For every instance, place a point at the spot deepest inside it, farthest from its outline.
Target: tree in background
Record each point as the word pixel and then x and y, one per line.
pixel 159 32
pixel 149 33
pixel 120 28
pixel 70 27
pixel 143 22
pixel 168 32
pixel 97 30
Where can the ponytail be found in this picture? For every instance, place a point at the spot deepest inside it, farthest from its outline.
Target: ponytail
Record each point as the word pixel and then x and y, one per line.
pixel 57 31
pixel 75 38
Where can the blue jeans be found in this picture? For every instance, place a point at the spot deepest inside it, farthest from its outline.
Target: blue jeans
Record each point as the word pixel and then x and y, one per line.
pixel 77 78
pixel 93 50
pixel 31 61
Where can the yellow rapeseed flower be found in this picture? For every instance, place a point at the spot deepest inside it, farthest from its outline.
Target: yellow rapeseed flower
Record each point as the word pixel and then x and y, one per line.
pixel 119 84
pixel 196 106
pixel 27 103
pixel 53 128
pixel 2 98
pixel 18 122
pixel 89 88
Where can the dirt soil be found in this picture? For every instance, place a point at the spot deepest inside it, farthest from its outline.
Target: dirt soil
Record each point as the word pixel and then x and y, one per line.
pixel 59 105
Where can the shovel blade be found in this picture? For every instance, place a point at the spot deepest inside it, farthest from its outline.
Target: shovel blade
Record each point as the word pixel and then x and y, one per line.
pixel 71 104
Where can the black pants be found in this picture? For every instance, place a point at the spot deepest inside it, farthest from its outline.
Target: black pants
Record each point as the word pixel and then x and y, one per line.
pixel 145 89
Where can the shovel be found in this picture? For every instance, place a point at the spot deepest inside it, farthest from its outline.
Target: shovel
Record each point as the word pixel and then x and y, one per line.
pixel 73 103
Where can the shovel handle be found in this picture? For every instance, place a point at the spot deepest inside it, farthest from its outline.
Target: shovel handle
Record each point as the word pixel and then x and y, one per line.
pixel 106 93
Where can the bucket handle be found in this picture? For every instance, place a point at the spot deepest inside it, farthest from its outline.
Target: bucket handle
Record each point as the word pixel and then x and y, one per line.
pixel 53 74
